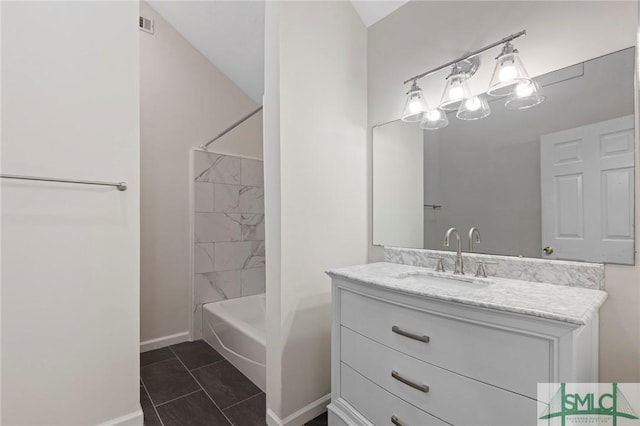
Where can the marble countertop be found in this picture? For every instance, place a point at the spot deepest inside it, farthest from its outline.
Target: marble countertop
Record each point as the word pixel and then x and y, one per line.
pixel 556 302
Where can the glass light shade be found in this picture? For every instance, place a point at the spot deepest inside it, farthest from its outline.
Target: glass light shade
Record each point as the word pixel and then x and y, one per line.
pixel 455 92
pixel 508 73
pixel 434 119
pixel 474 108
pixel 415 105
pixel 525 96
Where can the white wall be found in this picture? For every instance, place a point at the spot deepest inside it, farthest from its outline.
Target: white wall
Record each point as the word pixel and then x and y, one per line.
pixel 315 184
pixel 70 274
pixel 184 101
pixel 559 34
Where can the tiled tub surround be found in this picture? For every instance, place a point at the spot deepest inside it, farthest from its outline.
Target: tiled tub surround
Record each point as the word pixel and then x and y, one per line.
pixel 573 274
pixel 561 303
pixel 229 257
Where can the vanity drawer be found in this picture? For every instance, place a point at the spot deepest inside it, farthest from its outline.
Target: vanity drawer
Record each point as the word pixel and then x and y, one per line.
pixel 503 358
pixel 378 405
pixel 451 397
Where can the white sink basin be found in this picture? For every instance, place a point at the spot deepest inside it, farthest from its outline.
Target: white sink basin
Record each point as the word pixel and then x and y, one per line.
pixel 444 280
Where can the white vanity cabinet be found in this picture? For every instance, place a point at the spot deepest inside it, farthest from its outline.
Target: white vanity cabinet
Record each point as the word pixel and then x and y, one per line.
pixel 411 360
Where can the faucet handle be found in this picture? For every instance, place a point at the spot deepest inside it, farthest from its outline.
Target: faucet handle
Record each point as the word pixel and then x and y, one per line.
pixel 439 265
pixel 481 272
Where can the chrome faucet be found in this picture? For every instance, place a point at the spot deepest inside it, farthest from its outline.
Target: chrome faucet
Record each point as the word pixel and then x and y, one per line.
pixel 459 268
pixel 472 231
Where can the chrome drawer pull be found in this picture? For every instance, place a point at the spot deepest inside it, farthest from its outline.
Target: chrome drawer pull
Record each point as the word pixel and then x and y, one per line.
pixel 395 421
pixel 421 388
pixel 401 332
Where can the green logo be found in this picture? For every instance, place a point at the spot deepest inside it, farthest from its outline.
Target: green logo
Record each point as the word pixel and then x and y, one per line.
pixel 613 405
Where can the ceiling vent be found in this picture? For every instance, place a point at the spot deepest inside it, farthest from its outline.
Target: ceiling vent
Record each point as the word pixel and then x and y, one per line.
pixel 146 24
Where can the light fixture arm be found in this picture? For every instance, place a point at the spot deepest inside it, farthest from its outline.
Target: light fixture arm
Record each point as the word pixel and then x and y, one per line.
pixel 414 87
pixel 467 56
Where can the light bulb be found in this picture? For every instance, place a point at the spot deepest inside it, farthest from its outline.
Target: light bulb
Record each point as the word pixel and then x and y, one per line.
pixel 456 92
pixel 473 104
pixel 434 115
pixel 507 72
pixel 524 89
pixel 415 106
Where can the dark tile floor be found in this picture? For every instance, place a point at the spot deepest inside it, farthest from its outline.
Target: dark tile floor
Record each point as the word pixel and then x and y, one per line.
pixel 190 384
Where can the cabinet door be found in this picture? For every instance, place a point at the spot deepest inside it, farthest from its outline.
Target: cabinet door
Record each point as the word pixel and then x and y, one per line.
pixel 587 185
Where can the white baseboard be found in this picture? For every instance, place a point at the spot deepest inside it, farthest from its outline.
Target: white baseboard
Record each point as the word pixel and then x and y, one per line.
pixel 303 415
pixel 132 419
pixel 164 341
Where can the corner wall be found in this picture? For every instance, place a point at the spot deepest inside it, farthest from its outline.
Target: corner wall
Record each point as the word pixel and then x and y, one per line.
pixel 315 191
pixel 70 270
pixel 184 101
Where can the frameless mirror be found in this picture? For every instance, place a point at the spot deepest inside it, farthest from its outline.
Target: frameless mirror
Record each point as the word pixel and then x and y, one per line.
pixel 553 181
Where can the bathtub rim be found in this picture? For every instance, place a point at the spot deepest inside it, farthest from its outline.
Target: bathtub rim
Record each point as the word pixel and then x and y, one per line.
pixel 242 326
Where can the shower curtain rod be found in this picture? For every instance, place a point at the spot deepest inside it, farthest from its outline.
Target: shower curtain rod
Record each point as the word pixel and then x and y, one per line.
pixel 233 126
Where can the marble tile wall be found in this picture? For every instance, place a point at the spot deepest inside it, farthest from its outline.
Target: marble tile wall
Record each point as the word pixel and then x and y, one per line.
pixel 229 259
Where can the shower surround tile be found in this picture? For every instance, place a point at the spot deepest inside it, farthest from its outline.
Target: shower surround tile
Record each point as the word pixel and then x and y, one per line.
pixel 253 281
pixel 238 255
pixel 217 168
pixel 252 227
pixel 215 286
pixel 238 199
pixel 252 173
pixel 251 199
pixel 214 227
pixel 229 255
pixel 203 258
pixel 227 198
pixel 203 196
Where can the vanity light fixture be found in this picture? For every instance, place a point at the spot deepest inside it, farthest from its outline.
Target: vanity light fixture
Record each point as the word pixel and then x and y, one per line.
pixel 508 73
pixel 509 78
pixel 415 105
pixel 456 90
pixel 474 108
pixel 525 96
pixel 434 119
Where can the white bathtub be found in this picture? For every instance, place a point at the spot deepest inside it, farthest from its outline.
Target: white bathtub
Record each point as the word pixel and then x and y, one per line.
pixel 236 329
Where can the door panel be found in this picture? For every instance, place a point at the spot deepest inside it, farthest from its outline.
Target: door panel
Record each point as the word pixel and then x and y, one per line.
pixel 569 213
pixel 587 183
pixel 617 206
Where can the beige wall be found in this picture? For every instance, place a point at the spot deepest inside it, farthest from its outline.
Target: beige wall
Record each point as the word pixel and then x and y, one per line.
pixel 315 189
pixel 70 271
pixel 185 101
pixel 558 34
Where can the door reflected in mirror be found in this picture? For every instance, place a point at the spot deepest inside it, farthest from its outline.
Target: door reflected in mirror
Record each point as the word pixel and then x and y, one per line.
pixel 558 176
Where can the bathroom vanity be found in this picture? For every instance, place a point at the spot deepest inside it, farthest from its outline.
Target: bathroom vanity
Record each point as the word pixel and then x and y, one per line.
pixel 411 346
